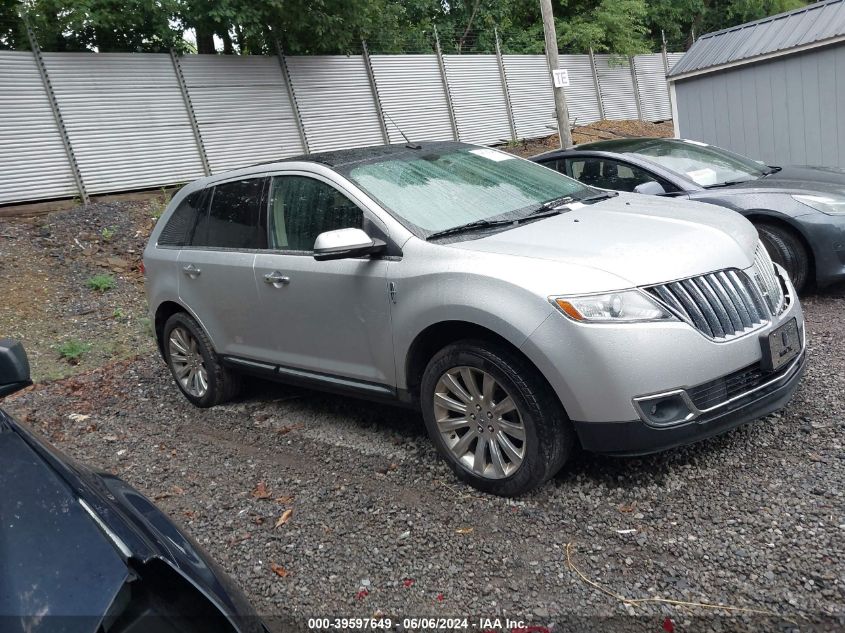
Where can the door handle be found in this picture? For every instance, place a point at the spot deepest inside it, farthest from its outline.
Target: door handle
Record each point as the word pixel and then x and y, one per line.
pixel 276 279
pixel 191 271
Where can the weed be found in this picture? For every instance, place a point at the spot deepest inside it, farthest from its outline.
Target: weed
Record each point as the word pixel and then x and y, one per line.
pixel 107 233
pixel 147 326
pixel 73 349
pixel 118 314
pixel 101 282
pixel 159 203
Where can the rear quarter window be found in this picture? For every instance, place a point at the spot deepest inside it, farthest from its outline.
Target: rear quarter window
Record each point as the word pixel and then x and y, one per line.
pixel 180 225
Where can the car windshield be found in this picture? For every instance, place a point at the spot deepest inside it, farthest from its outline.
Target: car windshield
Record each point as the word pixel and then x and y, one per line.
pixel 705 165
pixel 432 191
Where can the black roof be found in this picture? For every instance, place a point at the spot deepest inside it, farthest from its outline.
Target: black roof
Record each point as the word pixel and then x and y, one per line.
pixel 616 145
pixel 340 157
pixel 624 144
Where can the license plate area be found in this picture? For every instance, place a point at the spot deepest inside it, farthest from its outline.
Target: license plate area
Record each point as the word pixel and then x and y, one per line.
pixel 781 346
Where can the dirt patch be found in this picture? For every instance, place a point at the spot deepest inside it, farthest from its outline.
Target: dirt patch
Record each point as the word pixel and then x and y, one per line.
pixel 73 287
pixel 598 131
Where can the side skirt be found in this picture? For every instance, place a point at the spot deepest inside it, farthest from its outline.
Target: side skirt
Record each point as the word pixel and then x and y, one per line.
pixel 322 382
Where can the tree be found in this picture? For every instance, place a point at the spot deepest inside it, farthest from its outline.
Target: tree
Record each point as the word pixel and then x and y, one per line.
pixel 615 26
pixel 103 25
pixel 336 26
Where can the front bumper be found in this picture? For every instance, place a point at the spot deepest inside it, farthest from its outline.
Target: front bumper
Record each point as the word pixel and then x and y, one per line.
pixel 826 236
pixel 639 438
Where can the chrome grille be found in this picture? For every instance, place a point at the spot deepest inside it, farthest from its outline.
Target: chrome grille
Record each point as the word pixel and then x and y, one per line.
pixel 767 279
pixel 721 305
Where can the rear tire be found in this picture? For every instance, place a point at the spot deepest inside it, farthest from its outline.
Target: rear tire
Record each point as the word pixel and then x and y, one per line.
pixel 494 418
pixel 786 249
pixel 195 366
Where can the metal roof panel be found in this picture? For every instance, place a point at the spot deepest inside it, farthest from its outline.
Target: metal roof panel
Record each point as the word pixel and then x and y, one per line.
pixel 801 27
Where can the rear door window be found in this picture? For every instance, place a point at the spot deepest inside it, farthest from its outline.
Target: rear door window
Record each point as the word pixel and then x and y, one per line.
pixel 235 217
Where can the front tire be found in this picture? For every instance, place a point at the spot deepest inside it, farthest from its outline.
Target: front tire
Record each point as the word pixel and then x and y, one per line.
pixel 195 366
pixel 786 249
pixel 494 418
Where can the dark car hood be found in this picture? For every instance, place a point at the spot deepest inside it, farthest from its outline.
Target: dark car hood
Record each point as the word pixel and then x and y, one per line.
pixel 794 179
pixel 43 490
pixel 808 174
pixel 54 560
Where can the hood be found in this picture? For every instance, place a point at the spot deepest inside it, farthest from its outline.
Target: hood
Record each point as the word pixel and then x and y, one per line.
pixel 52 531
pixel 807 174
pixel 641 239
pixel 793 179
pixel 56 561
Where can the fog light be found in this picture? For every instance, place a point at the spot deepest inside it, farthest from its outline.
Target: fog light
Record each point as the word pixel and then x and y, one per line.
pixel 664 410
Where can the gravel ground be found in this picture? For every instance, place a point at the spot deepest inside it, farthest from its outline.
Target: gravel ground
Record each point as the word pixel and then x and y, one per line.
pixel 754 519
pixel 46 263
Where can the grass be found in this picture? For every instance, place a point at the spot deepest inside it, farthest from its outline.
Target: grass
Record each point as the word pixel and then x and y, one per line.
pixel 101 282
pixel 73 349
pixel 107 233
pixel 118 314
pixel 159 203
pixel 147 326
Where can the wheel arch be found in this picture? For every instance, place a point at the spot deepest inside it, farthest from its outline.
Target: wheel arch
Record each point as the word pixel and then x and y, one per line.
pixel 167 309
pixel 768 217
pixel 164 311
pixel 438 335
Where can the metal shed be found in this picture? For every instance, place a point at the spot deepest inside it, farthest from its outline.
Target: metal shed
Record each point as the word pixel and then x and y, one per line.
pixel 773 89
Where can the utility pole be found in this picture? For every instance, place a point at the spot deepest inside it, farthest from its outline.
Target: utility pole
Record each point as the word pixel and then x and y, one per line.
pixel 552 59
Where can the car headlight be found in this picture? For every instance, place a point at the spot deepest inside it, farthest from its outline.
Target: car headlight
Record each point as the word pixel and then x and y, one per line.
pixel 627 306
pixel 831 205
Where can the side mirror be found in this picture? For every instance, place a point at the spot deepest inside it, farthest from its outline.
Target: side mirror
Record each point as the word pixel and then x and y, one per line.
pixel 651 188
pixel 14 367
pixel 344 244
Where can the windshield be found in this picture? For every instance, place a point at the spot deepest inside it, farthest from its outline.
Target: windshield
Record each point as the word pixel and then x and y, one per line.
pixel 437 190
pixel 704 164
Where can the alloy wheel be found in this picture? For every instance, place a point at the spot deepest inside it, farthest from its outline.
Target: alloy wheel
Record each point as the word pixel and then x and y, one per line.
pixel 187 362
pixel 479 422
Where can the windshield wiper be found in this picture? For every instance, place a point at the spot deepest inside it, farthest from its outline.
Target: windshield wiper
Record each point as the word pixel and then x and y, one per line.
pixel 552 205
pixel 601 195
pixel 537 214
pixel 771 170
pixel 470 226
pixel 728 183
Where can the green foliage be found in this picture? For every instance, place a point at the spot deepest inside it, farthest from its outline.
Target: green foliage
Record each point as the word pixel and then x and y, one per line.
pixel 107 233
pixel 147 326
pixel 337 26
pixel 73 349
pixel 101 282
pixel 118 314
pixel 613 26
pixel 159 204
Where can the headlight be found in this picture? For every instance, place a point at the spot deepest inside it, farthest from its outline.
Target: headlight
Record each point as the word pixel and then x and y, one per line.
pixel 613 307
pixel 826 204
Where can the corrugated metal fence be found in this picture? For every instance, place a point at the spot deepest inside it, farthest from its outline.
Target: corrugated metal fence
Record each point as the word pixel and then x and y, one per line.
pixel 76 124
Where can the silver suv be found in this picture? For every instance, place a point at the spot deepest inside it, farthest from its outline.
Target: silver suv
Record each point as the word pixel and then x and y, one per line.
pixel 521 311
